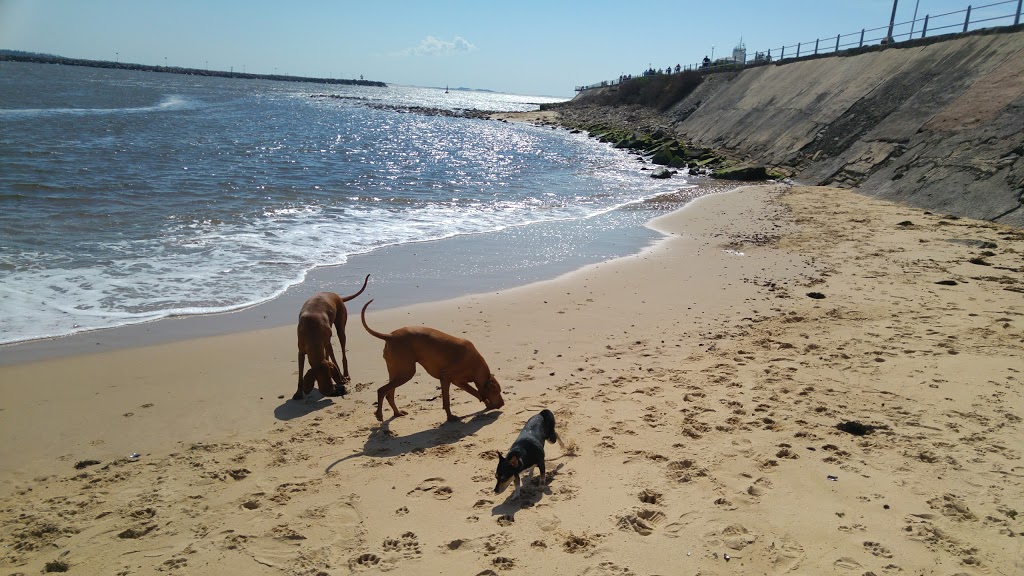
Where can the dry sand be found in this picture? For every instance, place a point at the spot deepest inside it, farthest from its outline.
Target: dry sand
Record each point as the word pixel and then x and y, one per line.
pixel 698 386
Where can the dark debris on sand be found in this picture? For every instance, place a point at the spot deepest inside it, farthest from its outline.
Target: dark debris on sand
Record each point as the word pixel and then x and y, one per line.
pixel 858 428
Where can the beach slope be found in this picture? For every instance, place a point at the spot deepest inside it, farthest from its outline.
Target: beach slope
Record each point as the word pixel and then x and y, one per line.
pixel 800 380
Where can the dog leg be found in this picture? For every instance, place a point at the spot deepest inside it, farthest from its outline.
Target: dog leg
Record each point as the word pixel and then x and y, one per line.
pixel 396 413
pixel 470 389
pixel 446 395
pixel 302 365
pixel 515 494
pixel 388 391
pixel 339 389
pixel 339 326
pixel 329 353
pixel 446 401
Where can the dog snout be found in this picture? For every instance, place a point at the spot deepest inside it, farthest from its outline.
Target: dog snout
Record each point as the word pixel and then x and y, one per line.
pixel 496 403
pixel 502 484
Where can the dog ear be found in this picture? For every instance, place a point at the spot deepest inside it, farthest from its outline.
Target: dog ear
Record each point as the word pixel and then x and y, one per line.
pixel 309 380
pixel 498 454
pixel 513 461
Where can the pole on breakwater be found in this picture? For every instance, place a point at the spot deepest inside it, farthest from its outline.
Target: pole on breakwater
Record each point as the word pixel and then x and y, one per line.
pixel 1020 4
pixel 837 42
pixel 892 21
pixel 913 20
pixel 924 32
pixel 967 19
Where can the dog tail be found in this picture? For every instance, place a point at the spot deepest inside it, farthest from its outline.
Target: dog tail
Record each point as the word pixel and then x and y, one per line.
pixel 347 298
pixel 362 315
pixel 549 427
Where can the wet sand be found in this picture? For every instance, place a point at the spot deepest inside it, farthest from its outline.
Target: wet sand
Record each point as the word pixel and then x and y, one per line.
pixel 706 389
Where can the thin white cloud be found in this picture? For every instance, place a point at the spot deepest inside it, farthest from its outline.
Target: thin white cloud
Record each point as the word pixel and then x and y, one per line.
pixel 432 46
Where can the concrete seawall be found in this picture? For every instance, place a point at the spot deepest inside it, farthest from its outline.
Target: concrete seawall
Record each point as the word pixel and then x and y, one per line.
pixel 934 124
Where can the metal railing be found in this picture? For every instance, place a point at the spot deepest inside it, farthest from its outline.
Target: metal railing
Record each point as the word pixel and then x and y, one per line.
pixel 992 15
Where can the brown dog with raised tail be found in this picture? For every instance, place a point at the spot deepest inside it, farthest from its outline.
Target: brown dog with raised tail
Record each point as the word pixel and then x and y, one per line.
pixel 450 359
pixel 317 316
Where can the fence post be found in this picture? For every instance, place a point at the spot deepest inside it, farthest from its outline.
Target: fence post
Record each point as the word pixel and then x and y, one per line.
pixel 1020 4
pixel 798 49
pixel 783 56
pixel 816 46
pixel 838 35
pixel 861 38
pixel 892 21
pixel 967 20
pixel 924 31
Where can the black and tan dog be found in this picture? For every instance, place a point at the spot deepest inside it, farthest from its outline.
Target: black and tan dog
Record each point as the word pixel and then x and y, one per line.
pixel 450 359
pixel 317 316
pixel 526 452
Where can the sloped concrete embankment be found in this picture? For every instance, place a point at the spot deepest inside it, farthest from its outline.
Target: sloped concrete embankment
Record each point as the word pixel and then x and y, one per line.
pixel 934 124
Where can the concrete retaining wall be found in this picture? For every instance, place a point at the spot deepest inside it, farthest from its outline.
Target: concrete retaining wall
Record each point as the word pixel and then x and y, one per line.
pixel 937 124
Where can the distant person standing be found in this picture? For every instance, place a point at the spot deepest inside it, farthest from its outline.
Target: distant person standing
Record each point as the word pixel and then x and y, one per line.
pixel 706 63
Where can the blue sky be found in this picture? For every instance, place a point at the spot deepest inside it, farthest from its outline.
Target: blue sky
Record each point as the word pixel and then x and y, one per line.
pixel 524 47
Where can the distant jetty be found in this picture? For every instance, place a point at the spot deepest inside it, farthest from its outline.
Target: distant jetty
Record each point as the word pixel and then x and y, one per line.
pixel 48 59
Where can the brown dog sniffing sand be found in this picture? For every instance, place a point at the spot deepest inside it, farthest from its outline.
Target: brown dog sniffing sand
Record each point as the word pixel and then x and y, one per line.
pixel 322 311
pixel 450 359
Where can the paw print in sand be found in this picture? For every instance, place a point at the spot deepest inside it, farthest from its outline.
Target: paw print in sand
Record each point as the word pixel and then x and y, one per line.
pixel 364 562
pixel 643 522
pixel 432 486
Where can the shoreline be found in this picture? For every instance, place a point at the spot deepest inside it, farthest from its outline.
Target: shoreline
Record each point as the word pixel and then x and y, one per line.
pixel 698 386
pixel 401 275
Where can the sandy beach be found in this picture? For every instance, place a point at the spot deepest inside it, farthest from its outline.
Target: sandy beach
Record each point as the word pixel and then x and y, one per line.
pixel 794 380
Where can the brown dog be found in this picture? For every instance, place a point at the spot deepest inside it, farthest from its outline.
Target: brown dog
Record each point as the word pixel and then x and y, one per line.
pixel 317 316
pixel 451 360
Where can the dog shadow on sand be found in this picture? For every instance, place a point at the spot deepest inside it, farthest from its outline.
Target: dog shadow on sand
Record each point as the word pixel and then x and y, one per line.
pixel 291 409
pixel 530 494
pixel 384 443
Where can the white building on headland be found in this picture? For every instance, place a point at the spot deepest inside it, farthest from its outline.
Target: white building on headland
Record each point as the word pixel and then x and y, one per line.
pixel 739 55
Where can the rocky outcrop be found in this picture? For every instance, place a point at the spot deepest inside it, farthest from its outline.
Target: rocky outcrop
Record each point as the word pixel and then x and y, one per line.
pixel 938 124
pixel 748 172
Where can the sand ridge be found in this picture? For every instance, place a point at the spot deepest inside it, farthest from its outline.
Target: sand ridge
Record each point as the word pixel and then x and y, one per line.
pixel 698 387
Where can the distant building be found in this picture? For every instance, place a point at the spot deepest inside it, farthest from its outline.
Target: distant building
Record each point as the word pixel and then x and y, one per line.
pixel 739 53
pixel 739 56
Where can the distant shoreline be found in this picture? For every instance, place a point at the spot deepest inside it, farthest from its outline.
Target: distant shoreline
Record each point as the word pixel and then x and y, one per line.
pixel 45 59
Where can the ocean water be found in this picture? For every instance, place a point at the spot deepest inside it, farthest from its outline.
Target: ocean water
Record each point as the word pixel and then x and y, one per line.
pixel 129 196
